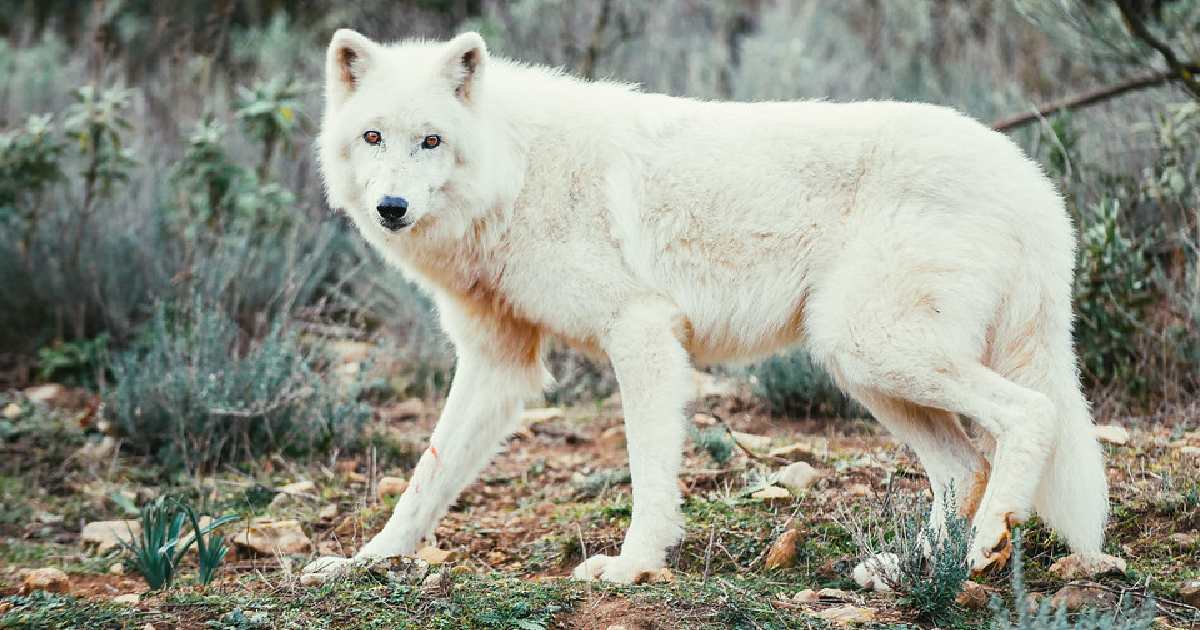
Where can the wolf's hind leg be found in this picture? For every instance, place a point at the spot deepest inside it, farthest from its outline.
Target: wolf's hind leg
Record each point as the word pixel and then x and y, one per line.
pixel 655 376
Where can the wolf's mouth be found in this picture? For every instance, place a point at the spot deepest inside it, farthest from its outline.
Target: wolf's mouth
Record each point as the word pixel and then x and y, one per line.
pixel 394 225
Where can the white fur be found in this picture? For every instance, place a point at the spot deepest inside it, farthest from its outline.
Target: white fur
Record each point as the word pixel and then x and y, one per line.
pixel 921 257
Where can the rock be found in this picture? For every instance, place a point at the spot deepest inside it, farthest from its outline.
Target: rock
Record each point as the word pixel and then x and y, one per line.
pixel 94 451
pixel 313 579
pixel 797 477
pixel 267 537
pixel 329 548
pixel 859 490
pixel 847 615
pixel 807 596
pixel 46 579
pixel 299 487
pixel 1076 566
pixel 973 596
pixel 12 411
pixel 1185 540
pixel 793 452
pixel 435 556
pixel 355 477
pixel 410 409
pixel 772 494
pixel 390 487
pixel 129 599
pixel 48 394
pixel 1112 434
pixel 612 438
pixel 1190 451
pixel 105 535
pixel 1189 592
pixel 750 441
pixel 704 419
pixel 546 414
pixel 878 572
pixel 1076 597
pixel 328 512
pixel 433 581
pixel 711 385
pixel 117 568
pixel 783 553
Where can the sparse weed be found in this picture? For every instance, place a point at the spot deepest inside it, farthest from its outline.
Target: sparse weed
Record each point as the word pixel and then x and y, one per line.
pixel 794 385
pixel 1048 617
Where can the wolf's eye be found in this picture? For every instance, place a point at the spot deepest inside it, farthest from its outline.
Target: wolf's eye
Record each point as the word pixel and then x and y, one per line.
pixel 372 137
pixel 431 141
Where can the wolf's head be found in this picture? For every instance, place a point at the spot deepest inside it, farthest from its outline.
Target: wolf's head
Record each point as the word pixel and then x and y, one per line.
pixel 402 139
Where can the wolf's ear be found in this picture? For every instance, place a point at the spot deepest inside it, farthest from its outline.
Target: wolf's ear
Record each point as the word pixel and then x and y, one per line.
pixel 348 58
pixel 463 62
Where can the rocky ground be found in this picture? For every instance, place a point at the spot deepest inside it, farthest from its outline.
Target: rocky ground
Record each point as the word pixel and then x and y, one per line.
pixel 774 531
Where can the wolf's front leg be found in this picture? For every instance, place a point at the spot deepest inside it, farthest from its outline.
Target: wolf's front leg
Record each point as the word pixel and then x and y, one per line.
pixel 482 409
pixel 656 382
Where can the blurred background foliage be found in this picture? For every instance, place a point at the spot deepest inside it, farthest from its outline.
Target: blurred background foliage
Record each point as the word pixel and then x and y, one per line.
pixel 164 239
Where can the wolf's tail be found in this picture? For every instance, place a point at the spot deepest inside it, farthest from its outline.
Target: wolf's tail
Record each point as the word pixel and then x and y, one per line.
pixel 1033 347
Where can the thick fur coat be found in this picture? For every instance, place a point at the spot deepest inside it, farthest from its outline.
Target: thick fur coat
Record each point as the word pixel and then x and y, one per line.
pixel 919 256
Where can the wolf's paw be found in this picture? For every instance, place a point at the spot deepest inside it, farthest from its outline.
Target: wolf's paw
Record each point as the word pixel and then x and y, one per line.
pixel 878 572
pixel 993 544
pixel 618 569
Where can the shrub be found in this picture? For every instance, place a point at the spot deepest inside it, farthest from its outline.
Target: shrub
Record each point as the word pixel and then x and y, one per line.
pixel 794 385
pixel 195 391
pixel 1113 292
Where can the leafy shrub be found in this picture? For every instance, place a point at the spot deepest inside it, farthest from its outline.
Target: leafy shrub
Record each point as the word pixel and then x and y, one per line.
pixel 1113 292
pixel 156 551
pixel 74 361
pixel 1047 617
pixel 794 385
pixel 30 159
pixel 195 391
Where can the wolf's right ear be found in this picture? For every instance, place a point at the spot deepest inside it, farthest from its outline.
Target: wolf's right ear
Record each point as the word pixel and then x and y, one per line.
pixel 348 58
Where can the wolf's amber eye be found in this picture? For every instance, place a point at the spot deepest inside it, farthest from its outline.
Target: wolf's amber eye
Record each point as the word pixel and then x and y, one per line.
pixel 432 141
pixel 373 137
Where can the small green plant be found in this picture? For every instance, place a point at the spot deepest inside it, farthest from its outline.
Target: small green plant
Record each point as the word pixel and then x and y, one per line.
pixel 156 551
pixel 715 441
pixel 30 160
pixel 77 361
pixel 794 385
pixel 1049 617
pixel 269 111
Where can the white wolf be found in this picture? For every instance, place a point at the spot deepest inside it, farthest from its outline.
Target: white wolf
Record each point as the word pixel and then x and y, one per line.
pixel 919 256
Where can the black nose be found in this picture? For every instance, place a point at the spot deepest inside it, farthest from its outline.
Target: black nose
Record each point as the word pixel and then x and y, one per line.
pixel 392 209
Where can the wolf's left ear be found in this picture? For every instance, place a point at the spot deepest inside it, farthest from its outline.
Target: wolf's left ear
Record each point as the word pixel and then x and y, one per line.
pixel 463 63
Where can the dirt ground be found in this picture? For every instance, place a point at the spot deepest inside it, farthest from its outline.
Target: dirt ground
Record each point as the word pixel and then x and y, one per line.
pixel 559 490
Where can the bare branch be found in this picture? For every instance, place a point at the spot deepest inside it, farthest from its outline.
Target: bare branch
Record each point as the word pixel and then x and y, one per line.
pixel 1086 99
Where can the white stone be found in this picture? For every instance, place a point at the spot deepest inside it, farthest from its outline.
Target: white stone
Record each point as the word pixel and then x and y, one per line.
pixel 105 535
pixel 1112 434
pixel 876 572
pixel 797 477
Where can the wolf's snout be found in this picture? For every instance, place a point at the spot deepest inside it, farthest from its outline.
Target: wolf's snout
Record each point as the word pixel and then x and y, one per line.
pixel 391 211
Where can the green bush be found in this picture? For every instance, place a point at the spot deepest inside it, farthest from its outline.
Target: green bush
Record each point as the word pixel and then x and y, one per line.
pixel 195 391
pixel 794 385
